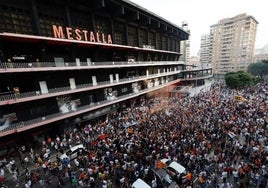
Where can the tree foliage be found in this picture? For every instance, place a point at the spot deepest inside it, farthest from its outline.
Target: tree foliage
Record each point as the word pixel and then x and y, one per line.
pixel 238 79
pixel 265 61
pixel 259 69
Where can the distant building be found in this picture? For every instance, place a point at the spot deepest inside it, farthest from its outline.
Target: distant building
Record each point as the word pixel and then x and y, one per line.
pixel 185 50
pixel 232 43
pixel 185 45
pixel 261 54
pixel 194 60
pixel 263 50
pixel 205 49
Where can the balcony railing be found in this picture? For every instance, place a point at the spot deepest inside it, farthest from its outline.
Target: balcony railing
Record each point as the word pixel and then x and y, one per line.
pixel 41 65
pixel 11 97
pixel 22 126
pixel 198 77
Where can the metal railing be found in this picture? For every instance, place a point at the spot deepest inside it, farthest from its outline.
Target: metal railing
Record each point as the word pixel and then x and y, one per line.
pixel 12 97
pixel 14 65
pixel 80 110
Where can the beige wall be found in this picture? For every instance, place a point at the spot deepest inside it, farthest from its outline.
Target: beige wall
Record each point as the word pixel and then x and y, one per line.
pixel 232 43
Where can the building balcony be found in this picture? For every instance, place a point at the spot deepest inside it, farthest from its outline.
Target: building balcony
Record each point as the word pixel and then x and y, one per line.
pixel 26 125
pixel 198 77
pixel 8 98
pixel 62 66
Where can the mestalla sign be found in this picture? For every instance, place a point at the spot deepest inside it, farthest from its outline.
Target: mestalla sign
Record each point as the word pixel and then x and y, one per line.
pixel 80 34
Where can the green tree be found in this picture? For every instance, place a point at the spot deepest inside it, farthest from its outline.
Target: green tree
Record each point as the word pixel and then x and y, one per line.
pixel 259 69
pixel 238 79
pixel 265 61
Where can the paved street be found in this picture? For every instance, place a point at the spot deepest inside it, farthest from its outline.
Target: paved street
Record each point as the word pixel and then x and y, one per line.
pixel 48 179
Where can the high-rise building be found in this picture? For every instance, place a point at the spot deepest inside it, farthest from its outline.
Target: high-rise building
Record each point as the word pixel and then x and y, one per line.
pixel 232 43
pixel 185 50
pixel 185 45
pixel 263 50
pixel 205 49
pixel 194 60
pixel 261 54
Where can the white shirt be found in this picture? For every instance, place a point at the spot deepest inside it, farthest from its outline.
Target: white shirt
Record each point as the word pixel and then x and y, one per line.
pixel 122 180
pixel 90 171
pixel 76 162
pixel 146 171
pixel 46 155
pixel 104 185
pixel 224 174
pixel 26 159
pixel 235 173
pixel 227 185
pixel 257 176
pixel 44 166
pixel 2 172
pixel 154 184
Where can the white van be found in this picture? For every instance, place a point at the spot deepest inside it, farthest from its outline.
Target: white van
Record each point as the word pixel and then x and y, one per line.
pixel 165 179
pixel 178 168
pixel 73 152
pixel 175 169
pixel 139 183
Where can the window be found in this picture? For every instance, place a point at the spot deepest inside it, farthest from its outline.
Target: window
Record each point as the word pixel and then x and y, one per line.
pixel 124 90
pixel 102 25
pixel 15 20
pixel 164 43
pixel 119 33
pixel 143 37
pixel 151 37
pixel 80 19
pixel 48 16
pixel 132 36
pixel 158 41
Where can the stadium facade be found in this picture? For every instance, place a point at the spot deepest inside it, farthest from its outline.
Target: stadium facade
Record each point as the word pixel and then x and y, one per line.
pixel 66 62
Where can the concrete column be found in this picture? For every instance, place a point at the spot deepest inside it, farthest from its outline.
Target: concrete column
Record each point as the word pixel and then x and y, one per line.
pixel 88 61
pixel 111 78
pixel 117 77
pixel 94 80
pixel 77 60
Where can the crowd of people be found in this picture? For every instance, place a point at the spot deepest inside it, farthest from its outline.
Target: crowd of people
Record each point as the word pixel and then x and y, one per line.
pixel 220 140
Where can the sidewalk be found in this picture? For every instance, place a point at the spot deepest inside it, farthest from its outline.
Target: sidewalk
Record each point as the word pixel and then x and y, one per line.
pixel 204 88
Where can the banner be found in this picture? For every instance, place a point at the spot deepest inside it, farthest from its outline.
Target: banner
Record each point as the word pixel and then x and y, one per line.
pixel 6 120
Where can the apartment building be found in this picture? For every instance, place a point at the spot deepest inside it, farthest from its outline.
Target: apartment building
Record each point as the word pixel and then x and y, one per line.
pixel 261 54
pixel 185 50
pixel 232 43
pixel 205 49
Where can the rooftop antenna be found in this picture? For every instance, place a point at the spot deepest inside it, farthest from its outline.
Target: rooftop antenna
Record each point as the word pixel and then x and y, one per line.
pixel 184 25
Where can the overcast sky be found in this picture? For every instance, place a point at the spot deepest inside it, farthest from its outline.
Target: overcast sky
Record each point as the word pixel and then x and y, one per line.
pixel 201 14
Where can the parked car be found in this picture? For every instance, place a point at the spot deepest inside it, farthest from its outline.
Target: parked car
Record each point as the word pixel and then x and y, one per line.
pixel 73 152
pixel 177 168
pixel 139 183
pixel 174 169
pixel 164 178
